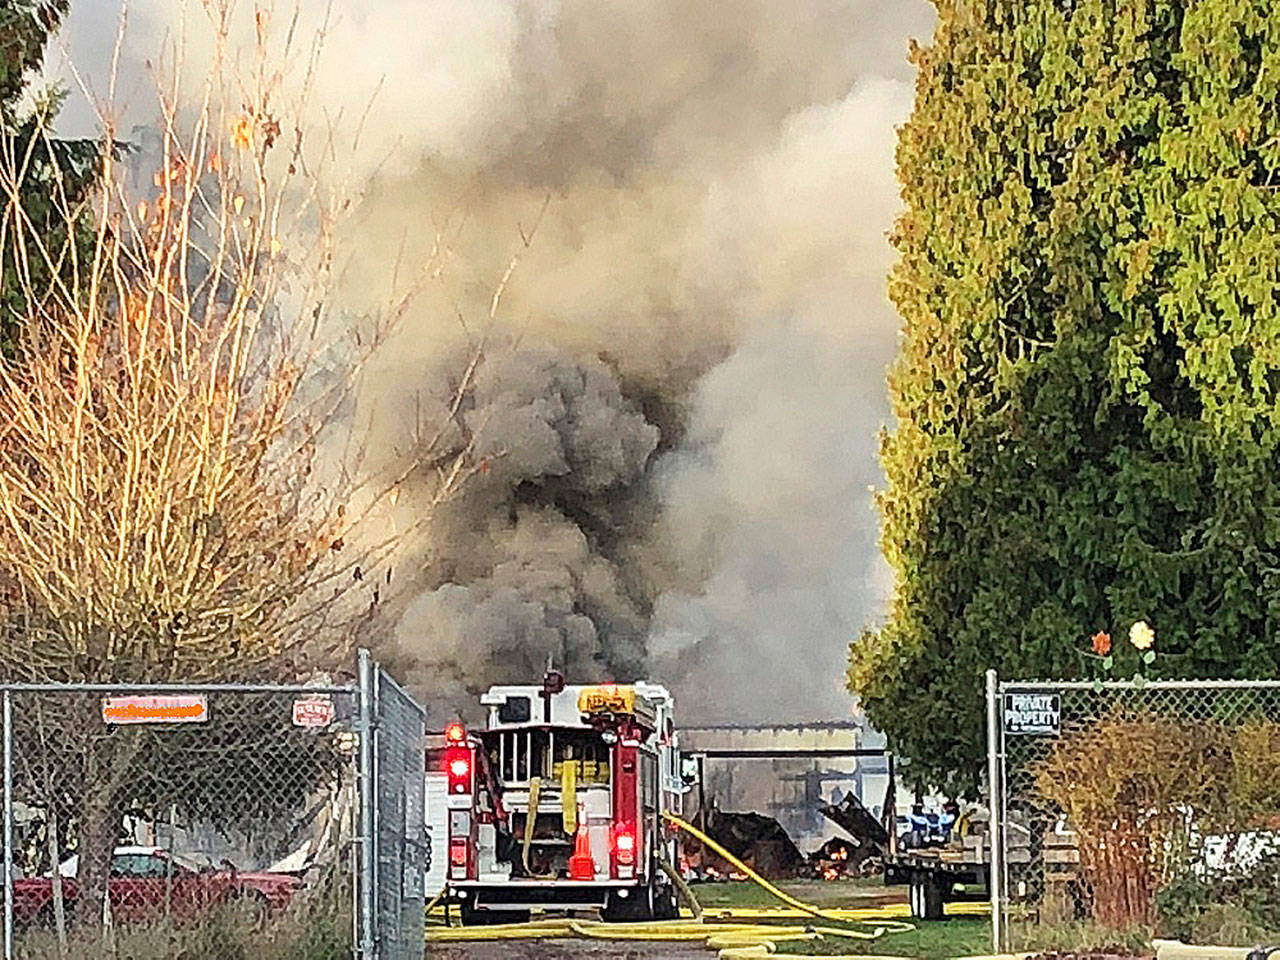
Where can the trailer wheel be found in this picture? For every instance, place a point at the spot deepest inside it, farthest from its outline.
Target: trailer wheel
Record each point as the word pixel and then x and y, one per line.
pixel 927 896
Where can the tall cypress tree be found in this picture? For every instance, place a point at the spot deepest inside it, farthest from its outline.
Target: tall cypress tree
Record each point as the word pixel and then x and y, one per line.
pixel 1087 397
pixel 55 175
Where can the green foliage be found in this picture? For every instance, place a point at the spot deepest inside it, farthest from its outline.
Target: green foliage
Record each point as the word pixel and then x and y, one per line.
pixel 1181 904
pixel 1208 906
pixel 1088 393
pixel 55 175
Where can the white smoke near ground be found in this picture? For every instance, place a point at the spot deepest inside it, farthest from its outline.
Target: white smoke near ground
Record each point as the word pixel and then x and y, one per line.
pixel 682 384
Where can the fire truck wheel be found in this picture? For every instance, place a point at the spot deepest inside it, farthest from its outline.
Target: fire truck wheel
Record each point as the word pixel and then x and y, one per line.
pixel 634 907
pixel 471 917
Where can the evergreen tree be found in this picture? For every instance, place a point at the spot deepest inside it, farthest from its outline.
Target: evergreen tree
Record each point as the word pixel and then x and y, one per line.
pixel 1087 397
pixel 53 172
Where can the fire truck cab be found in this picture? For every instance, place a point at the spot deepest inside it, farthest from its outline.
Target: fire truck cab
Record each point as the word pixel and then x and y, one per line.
pixel 556 804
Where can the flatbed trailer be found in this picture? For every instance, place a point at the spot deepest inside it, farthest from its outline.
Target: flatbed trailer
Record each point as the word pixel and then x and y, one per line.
pixel 932 875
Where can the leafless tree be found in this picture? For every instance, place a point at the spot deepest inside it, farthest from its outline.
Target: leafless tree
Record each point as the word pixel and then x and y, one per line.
pixel 166 509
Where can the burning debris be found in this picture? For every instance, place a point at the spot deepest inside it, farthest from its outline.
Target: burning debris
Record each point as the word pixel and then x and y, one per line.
pixel 839 858
pixel 764 845
pixel 834 859
pixel 758 841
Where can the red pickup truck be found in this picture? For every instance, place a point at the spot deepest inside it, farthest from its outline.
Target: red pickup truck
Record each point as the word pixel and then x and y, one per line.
pixel 146 882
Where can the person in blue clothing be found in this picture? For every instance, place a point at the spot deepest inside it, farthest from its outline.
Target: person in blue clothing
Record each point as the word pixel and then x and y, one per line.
pixel 918 834
pixel 947 820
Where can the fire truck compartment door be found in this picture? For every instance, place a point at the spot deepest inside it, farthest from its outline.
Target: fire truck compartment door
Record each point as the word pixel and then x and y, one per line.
pixel 437 815
pixel 486 854
pixel 598 816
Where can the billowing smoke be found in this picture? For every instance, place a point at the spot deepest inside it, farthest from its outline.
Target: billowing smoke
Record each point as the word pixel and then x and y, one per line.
pixel 683 381
pixel 530 564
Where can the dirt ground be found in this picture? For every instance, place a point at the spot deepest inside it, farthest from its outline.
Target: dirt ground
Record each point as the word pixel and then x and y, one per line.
pixel 566 950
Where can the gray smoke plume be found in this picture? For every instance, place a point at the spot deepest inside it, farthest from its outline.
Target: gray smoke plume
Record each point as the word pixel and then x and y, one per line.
pixel 530 563
pixel 685 377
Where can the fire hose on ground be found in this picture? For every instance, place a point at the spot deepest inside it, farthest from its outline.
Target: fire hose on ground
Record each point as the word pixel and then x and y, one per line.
pixel 760 881
pixel 737 933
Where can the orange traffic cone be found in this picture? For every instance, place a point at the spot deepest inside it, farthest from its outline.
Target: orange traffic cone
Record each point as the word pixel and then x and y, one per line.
pixel 581 866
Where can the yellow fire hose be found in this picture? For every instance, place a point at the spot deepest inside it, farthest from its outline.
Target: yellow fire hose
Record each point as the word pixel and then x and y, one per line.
pixel 764 884
pixel 530 820
pixel 725 931
pixel 686 894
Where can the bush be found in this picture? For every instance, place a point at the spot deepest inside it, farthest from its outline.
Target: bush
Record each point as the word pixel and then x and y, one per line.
pixel 1235 907
pixel 1144 791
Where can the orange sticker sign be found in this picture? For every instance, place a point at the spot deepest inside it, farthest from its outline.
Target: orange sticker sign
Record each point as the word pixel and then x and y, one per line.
pixel 314 712
pixel 183 708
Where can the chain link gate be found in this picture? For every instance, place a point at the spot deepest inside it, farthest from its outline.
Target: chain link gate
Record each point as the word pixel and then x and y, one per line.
pixel 1122 804
pixel 400 855
pixel 225 819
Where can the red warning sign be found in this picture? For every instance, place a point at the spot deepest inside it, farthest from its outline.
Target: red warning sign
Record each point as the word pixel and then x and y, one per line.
pixel 313 712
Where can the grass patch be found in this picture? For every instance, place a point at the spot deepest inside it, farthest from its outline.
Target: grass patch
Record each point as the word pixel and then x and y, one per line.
pixel 957 937
pixel 316 927
pixel 1078 935
pixel 936 940
pixel 820 893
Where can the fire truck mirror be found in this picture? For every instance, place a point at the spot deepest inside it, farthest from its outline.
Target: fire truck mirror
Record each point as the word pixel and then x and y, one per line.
pixel 515 710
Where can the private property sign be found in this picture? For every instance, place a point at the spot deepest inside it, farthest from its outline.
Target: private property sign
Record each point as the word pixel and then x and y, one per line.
pixel 180 708
pixel 1032 713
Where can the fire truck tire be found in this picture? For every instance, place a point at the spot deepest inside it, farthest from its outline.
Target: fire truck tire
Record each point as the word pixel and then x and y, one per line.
pixel 471 917
pixel 637 906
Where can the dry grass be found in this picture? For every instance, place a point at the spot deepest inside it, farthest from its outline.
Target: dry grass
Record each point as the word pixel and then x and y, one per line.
pixel 311 929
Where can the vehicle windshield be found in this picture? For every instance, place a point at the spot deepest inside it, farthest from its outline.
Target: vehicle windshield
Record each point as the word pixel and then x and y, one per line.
pixel 186 861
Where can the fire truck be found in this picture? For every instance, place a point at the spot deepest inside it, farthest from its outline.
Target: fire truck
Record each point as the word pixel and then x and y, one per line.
pixel 557 803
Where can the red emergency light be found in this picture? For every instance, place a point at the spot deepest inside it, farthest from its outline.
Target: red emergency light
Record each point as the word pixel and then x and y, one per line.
pixel 458 853
pixel 624 845
pixel 457 764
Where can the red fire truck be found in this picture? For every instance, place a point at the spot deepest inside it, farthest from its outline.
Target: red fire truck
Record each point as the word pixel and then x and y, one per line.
pixel 556 804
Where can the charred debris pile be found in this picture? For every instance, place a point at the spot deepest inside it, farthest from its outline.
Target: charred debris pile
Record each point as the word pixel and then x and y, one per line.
pixel 761 842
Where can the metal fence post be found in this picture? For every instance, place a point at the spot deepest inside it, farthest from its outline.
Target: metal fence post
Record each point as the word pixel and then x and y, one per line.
pixel 8 825
pixel 995 871
pixel 368 836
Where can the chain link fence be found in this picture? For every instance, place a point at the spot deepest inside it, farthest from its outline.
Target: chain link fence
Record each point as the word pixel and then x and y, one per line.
pixel 1132 806
pixel 210 821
